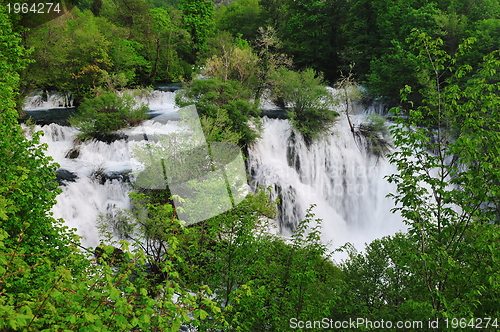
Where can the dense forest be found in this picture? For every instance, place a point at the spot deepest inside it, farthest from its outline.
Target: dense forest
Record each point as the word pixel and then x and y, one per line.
pixel 111 44
pixel 436 62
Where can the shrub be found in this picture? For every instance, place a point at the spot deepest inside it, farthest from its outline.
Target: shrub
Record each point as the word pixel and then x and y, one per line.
pixel 226 103
pixel 107 113
pixel 376 135
pixel 309 98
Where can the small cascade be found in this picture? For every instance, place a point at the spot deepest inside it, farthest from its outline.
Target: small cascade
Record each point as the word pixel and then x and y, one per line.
pixel 59 140
pixel 87 195
pixel 41 100
pixel 56 133
pixel 112 157
pixel 94 175
pixel 81 203
pixel 335 173
pixel 159 102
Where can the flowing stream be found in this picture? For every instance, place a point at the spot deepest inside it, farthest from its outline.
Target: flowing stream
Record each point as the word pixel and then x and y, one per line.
pixel 335 173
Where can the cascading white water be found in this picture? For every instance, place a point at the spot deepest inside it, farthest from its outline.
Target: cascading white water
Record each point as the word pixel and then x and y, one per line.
pixel 91 195
pixel 45 100
pixel 335 173
pixel 82 201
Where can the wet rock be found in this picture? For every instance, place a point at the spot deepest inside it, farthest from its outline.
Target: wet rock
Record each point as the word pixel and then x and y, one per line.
pixel 292 155
pixel 101 176
pixel 110 138
pixel 64 176
pixel 121 176
pixel 275 113
pixel 73 153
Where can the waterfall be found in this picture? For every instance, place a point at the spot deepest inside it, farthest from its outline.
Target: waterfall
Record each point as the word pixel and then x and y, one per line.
pixel 335 173
pixel 82 201
pixel 45 100
pixel 97 168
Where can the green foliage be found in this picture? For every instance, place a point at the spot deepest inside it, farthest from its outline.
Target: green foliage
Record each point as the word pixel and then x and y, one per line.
pixel 232 62
pixel 447 155
pixel 211 95
pixel 127 58
pixel 241 18
pixel 157 47
pixel 165 40
pixel 47 284
pixel 74 61
pixel 108 295
pixel 199 20
pixel 260 279
pixel 128 39
pixel 447 192
pixel 129 14
pixel 164 3
pixel 27 190
pixel 382 284
pixel 209 177
pixel 264 279
pixel 107 113
pixel 377 46
pixel 216 129
pixel 390 72
pixel 311 101
pixel 153 227
pixel 376 37
pixel 168 46
pixel 314 33
pixel 447 188
pixel 392 279
pixel 376 135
